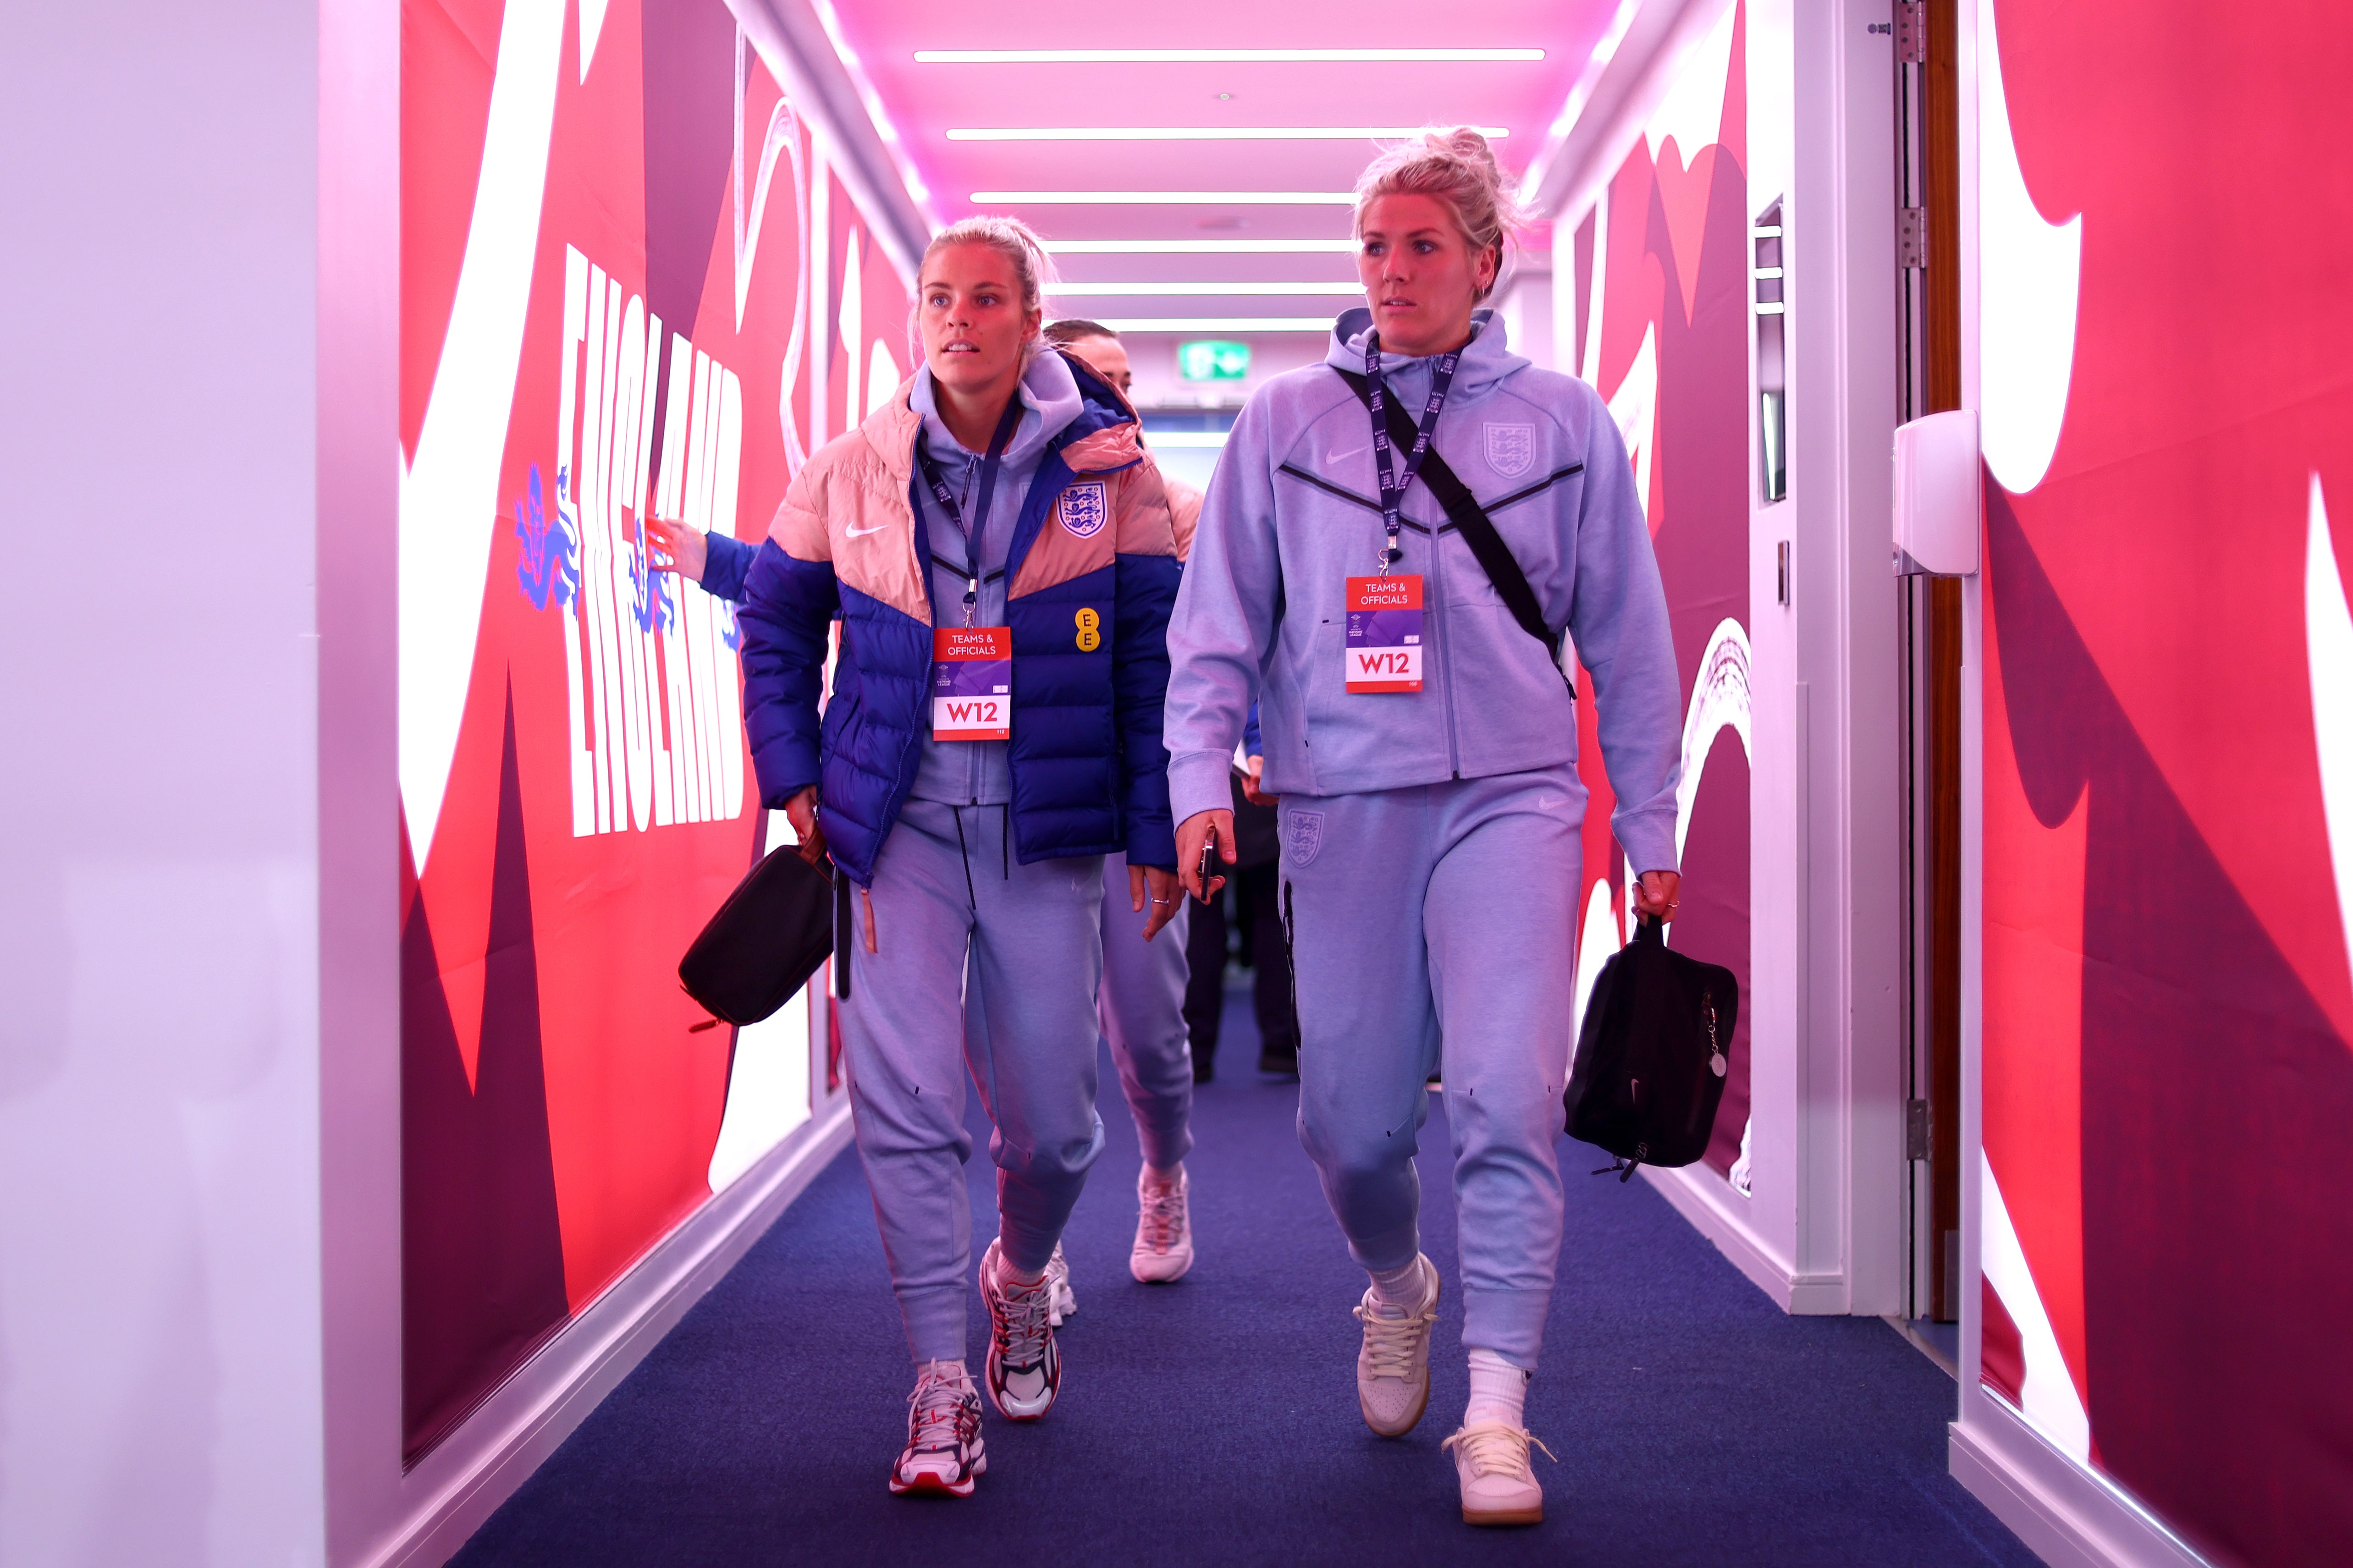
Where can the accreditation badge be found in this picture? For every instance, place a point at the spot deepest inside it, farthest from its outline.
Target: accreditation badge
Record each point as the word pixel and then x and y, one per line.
pixel 1384 634
pixel 972 683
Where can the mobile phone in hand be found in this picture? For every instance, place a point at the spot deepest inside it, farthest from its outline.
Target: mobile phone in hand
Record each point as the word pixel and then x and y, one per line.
pixel 1208 859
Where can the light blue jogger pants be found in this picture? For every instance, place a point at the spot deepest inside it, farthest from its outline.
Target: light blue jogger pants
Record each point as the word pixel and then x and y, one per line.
pixel 1445 912
pixel 946 887
pixel 1142 1012
pixel 1143 1015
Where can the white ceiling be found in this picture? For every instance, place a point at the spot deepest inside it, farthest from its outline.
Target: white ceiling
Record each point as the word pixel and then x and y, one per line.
pixel 923 103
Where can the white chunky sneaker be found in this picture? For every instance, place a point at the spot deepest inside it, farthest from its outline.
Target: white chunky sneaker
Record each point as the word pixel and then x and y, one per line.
pixel 1024 1369
pixel 944 1451
pixel 1491 1458
pixel 1057 1280
pixel 1163 1230
pixel 1393 1367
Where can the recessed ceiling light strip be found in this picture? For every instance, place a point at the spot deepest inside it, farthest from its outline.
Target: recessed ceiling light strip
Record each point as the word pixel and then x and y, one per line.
pixel 1167 198
pixel 1220 57
pixel 1201 246
pixel 871 100
pixel 1202 133
pixel 1219 324
pixel 1336 291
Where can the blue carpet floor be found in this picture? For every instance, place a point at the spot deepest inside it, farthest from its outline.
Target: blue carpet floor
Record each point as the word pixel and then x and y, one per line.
pixel 1215 1421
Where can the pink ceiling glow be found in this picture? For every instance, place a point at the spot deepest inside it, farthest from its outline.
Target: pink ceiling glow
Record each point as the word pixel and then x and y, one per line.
pixel 924 101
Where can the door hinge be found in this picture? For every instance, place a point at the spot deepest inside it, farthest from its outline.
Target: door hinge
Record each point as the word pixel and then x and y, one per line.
pixel 1912 238
pixel 1916 1130
pixel 1912 32
pixel 1783 552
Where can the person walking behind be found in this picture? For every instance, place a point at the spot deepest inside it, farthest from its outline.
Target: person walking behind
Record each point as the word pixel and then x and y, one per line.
pixel 996 546
pixel 1424 745
pixel 1202 988
pixel 1142 999
pixel 1257 898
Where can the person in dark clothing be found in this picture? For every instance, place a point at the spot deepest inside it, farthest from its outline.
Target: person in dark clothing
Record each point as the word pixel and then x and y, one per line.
pixel 1254 894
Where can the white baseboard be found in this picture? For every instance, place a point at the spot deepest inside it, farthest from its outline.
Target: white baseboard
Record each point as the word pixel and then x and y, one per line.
pixel 1700 1196
pixel 2065 1514
pixel 530 1413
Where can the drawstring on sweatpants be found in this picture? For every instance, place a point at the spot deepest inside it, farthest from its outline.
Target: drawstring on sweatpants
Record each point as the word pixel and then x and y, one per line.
pixel 964 853
pixel 1004 849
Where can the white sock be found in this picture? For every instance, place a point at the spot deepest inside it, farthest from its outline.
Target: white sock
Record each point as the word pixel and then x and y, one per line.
pixel 1012 1276
pixel 1168 1178
pixel 1499 1391
pixel 1402 1287
pixel 953 1371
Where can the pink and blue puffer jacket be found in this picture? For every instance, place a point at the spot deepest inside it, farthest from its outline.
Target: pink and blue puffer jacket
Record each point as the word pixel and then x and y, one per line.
pixel 1089 772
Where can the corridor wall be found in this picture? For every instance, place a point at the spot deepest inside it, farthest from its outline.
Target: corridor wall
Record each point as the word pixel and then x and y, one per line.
pixel 605 313
pixel 2162 652
pixel 1695 119
pixel 1661 280
pixel 575 271
pixel 160 1289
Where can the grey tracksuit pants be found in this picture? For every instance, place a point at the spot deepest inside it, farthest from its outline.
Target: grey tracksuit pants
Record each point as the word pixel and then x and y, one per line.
pixel 1143 1015
pixel 1444 913
pixel 1142 1012
pixel 945 888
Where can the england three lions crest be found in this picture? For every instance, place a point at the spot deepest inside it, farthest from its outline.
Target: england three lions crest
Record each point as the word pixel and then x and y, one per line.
pixel 1303 838
pixel 1084 509
pixel 1510 450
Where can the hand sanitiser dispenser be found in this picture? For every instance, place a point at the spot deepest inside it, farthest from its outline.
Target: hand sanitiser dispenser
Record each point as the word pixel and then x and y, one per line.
pixel 1940 496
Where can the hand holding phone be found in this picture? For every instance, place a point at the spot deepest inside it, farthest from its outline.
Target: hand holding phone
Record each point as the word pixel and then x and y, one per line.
pixel 1200 840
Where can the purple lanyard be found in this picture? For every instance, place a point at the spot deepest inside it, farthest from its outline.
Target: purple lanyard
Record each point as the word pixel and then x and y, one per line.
pixel 1441 377
pixel 1006 424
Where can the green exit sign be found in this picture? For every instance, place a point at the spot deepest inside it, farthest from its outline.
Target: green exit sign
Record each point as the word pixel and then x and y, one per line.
pixel 1213 360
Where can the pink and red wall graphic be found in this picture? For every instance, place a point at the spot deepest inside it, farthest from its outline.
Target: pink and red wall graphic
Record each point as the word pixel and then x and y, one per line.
pixel 2168 755
pixel 1663 307
pixel 606 312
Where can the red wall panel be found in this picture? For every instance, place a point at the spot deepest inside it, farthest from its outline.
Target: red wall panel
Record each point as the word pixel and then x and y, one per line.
pixel 2169 1089
pixel 640 343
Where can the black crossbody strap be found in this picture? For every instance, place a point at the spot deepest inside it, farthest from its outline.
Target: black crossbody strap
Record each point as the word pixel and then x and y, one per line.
pixel 1471 520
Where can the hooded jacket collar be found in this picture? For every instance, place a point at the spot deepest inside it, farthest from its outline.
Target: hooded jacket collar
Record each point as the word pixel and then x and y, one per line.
pixel 1487 358
pixel 1050 400
pixel 1057 392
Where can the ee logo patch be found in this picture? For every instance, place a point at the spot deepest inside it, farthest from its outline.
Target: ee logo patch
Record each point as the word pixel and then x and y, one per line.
pixel 1090 631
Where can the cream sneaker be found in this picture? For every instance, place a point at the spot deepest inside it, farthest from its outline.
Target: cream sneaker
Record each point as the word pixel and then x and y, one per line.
pixel 1490 1459
pixel 1163 1230
pixel 1393 1366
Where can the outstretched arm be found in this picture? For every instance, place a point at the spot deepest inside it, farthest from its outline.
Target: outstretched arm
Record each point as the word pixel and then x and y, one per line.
pixel 786 620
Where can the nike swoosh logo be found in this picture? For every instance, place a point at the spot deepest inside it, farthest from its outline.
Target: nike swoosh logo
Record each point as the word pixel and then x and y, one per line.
pixel 862 533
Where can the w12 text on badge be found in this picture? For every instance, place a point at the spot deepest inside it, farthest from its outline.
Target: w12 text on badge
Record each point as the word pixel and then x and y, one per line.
pixel 972 683
pixel 1384 634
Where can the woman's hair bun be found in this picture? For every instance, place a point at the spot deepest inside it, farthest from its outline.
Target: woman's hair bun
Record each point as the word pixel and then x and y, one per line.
pixel 1455 165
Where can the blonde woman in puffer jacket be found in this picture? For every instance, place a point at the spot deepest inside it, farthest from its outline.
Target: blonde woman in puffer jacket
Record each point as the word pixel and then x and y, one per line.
pixel 998 551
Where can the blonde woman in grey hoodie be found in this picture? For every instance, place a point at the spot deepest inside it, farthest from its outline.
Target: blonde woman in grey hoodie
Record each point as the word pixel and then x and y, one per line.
pixel 1423 740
